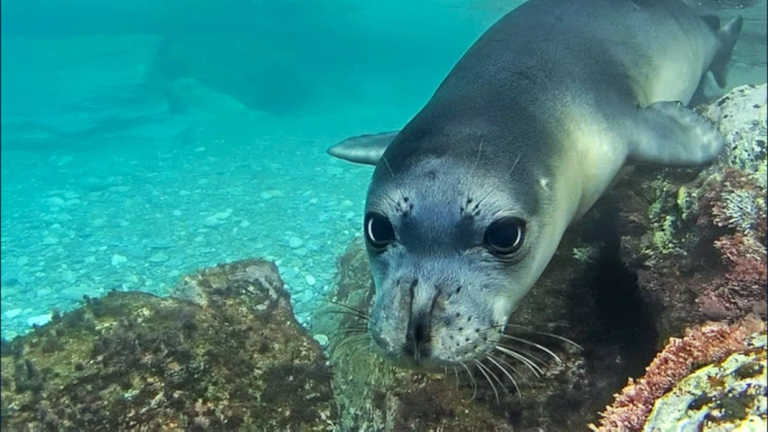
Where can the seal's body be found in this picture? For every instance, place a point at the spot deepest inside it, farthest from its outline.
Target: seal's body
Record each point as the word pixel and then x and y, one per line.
pixel 469 202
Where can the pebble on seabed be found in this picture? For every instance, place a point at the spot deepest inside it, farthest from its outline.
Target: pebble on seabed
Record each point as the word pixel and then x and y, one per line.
pixel 118 260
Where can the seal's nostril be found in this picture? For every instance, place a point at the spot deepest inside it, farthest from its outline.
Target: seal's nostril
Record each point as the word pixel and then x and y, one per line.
pixel 421 332
pixel 417 337
pixel 418 329
pixel 421 300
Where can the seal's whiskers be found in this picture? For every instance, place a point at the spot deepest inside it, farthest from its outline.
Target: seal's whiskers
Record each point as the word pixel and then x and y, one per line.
pixel 533 357
pixel 552 335
pixel 534 344
pixel 523 359
pixel 499 362
pixel 353 330
pixel 456 374
pixel 485 371
pixel 346 309
pixel 354 342
pixel 472 379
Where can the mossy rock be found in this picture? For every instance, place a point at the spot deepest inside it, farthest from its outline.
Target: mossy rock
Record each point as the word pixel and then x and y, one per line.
pixel 727 395
pixel 238 359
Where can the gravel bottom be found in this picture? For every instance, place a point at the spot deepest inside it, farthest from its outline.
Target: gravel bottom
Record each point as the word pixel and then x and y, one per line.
pixel 139 218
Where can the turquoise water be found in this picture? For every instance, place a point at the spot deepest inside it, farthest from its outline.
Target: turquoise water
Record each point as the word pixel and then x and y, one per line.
pixel 144 140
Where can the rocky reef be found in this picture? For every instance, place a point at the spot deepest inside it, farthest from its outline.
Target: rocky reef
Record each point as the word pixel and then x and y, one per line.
pixel 727 395
pixel 226 353
pixel 697 241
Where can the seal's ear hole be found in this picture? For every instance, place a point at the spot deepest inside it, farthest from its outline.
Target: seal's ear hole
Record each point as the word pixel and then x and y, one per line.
pixel 505 236
pixel 379 232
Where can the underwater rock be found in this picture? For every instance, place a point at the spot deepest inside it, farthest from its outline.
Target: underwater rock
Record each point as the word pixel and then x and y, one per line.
pixel 729 385
pixel 730 395
pixel 697 238
pixel 274 84
pixel 236 357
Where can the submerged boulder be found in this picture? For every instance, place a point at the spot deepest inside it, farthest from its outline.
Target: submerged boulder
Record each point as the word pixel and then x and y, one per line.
pixel 731 394
pixel 697 241
pixel 229 355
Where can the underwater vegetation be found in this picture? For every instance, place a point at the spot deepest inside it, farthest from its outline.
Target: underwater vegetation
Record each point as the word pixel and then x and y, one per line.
pixel 697 239
pixel 730 394
pixel 700 254
pixel 233 357
pixel 734 198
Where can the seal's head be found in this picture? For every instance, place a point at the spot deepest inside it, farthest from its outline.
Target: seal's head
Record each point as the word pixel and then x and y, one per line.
pixel 452 252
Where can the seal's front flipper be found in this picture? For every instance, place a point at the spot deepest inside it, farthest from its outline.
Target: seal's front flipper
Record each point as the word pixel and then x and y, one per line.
pixel 364 149
pixel 670 134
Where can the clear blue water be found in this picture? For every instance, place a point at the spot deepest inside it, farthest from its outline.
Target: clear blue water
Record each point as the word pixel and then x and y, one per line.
pixel 114 179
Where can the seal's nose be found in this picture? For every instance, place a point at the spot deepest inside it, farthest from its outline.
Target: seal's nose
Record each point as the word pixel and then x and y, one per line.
pixel 419 330
pixel 417 337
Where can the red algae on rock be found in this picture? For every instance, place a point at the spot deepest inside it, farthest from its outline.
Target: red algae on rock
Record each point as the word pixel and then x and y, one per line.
pixel 700 346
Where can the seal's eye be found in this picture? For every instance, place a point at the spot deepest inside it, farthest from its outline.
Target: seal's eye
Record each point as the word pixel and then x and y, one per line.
pixel 505 236
pixel 378 230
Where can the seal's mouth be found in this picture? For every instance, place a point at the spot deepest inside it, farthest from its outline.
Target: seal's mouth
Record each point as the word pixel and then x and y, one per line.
pixel 421 353
pixel 456 344
pixel 433 327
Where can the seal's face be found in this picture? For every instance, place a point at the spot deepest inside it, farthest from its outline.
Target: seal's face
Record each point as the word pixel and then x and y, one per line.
pixel 450 260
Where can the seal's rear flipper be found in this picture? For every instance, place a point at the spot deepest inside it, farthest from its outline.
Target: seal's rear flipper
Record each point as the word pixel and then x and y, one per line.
pixel 728 34
pixel 364 149
pixel 707 92
pixel 670 134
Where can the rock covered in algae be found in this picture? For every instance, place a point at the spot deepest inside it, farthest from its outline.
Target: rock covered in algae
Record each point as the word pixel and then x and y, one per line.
pixel 697 237
pixel 235 358
pixel 679 394
pixel 729 395
pixel 697 240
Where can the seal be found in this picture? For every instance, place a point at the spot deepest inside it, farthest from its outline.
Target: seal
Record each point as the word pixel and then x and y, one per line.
pixel 470 200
